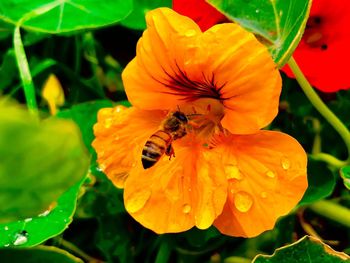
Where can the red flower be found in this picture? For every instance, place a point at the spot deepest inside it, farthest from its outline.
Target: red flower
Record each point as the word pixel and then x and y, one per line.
pixel 323 52
pixel 200 11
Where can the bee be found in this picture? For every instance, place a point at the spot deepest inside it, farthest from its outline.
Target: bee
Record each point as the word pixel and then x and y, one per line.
pixel 174 127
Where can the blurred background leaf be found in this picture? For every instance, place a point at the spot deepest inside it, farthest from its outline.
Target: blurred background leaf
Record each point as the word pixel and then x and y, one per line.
pixel 321 182
pixel 278 24
pixel 37 255
pixel 58 16
pixel 35 172
pixel 136 19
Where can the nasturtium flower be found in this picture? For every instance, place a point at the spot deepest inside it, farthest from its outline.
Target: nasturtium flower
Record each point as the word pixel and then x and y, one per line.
pixel 200 11
pixel 323 52
pixel 226 172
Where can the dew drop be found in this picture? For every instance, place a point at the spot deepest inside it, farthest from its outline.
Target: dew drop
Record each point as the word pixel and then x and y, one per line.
pixel 119 108
pixel 45 213
pixel 232 172
pixel 186 208
pixel 21 238
pixel 190 33
pixel 263 194
pixel 271 174
pixel 257 11
pixel 285 163
pixel 137 200
pixel 243 201
pixel 6 228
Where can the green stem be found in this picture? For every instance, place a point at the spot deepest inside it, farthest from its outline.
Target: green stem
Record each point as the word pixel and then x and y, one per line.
pixel 237 260
pixel 77 251
pixel 320 105
pixel 333 211
pixel 23 67
pixel 330 159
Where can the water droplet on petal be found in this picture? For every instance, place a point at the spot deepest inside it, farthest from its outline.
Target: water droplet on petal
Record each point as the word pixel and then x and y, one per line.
pixel 232 172
pixel 243 201
pixel 137 200
pixel 116 138
pixel 45 213
pixel 263 194
pixel 119 108
pixel 285 163
pixel 271 174
pixel 190 33
pixel 20 238
pixel 186 208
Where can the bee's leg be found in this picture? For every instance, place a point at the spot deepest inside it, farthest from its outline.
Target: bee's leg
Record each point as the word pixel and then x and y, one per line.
pixel 170 151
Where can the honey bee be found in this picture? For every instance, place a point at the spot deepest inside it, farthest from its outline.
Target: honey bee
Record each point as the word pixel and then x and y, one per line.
pixel 174 127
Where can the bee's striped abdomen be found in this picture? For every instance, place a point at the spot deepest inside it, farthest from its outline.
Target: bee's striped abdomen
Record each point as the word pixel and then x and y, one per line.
pixel 155 148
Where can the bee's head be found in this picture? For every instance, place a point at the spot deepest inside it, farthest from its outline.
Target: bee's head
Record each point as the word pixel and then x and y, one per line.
pixel 180 116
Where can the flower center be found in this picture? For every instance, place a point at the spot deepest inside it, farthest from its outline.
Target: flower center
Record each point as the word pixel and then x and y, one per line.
pixel 314 35
pixel 204 117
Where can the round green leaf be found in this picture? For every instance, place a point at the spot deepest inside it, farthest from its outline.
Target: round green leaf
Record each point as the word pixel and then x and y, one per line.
pixel 39 161
pixel 33 231
pixel 308 250
pixel 37 255
pixel 58 16
pixel 279 24
pixel 345 174
pixel 136 20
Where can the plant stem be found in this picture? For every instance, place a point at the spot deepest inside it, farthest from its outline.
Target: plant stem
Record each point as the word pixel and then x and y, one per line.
pixel 320 105
pixel 330 159
pixel 332 211
pixel 77 251
pixel 23 67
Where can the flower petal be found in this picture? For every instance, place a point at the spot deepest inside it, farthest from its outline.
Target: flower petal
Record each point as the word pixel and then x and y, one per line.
pixel 120 134
pixel 176 63
pixel 322 53
pixel 173 196
pixel 251 83
pixel 267 178
pixel 200 11
pixel 162 45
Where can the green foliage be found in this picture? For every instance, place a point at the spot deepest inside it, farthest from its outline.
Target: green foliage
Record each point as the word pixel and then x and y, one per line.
pixel 278 24
pixel 307 249
pixel 136 20
pixel 85 116
pixel 345 174
pixel 321 182
pixel 37 229
pixel 35 172
pixel 39 254
pixel 58 16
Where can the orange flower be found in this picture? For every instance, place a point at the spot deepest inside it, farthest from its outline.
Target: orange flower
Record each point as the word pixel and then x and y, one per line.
pixel 226 171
